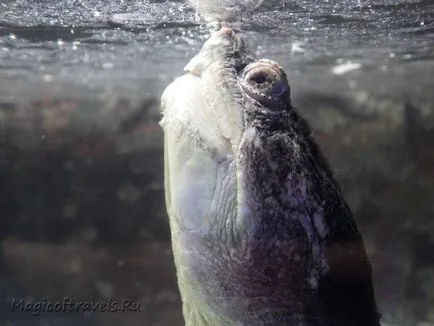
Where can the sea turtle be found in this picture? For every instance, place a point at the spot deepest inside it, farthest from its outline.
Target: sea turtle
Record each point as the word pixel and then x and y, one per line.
pixel 261 233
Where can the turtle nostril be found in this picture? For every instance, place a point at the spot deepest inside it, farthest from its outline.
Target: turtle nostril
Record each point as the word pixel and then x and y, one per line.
pixel 226 30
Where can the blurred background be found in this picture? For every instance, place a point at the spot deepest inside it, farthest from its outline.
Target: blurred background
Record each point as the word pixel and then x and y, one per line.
pixel 81 162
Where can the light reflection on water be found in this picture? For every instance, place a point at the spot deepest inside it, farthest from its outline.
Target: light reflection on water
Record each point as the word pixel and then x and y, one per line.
pixel 145 40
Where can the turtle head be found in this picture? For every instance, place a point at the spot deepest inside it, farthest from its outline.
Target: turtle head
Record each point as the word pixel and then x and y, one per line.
pixel 248 193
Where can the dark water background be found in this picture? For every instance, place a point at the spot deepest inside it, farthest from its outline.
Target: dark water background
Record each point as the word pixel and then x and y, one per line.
pixel 81 198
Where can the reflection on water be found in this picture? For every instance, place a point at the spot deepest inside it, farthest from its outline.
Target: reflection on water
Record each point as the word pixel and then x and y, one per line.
pixel 81 152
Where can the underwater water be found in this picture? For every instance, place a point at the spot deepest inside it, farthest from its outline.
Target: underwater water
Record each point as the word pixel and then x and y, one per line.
pixel 81 196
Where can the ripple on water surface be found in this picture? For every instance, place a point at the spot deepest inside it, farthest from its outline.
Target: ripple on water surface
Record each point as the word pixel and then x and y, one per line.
pixel 144 44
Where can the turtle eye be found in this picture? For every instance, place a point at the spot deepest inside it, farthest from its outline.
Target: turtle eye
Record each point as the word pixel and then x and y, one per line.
pixel 265 81
pixel 278 89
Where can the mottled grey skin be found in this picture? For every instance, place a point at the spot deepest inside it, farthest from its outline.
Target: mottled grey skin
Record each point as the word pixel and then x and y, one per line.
pixel 261 233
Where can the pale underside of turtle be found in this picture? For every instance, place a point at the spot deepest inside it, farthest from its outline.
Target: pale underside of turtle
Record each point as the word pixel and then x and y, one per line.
pixel 261 234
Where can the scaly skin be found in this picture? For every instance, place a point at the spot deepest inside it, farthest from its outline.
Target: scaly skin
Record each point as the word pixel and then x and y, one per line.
pixel 261 233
